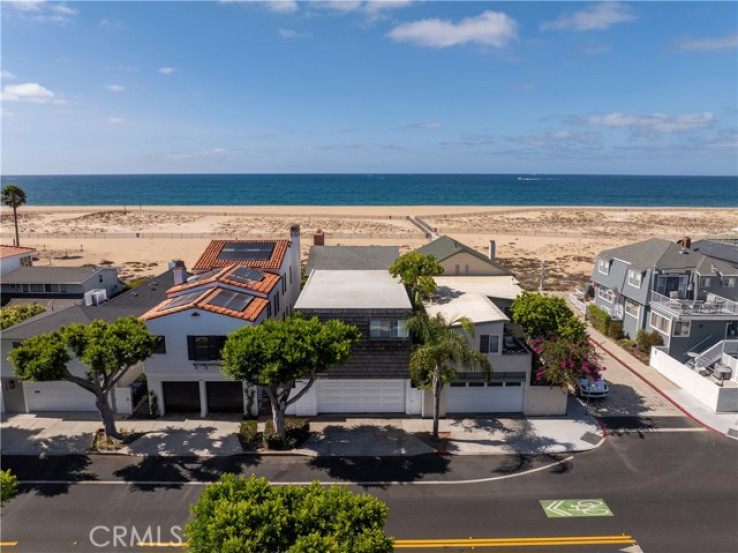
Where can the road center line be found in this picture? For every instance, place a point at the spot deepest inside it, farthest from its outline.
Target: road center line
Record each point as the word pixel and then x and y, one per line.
pixel 298 483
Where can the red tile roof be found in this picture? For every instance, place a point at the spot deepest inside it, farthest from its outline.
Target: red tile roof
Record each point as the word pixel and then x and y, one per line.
pixel 252 311
pixel 9 251
pixel 264 286
pixel 209 258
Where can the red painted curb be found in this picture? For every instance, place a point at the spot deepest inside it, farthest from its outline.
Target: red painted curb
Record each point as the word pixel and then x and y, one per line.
pixel 639 375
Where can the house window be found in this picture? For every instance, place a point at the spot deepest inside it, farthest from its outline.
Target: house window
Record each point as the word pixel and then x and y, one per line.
pixel 660 323
pixel 388 329
pixel 632 308
pixel 457 269
pixel 603 266
pixel 26 261
pixel 290 274
pixel 276 302
pixel 466 269
pixel 682 328
pixel 605 294
pixel 635 278
pixel 729 282
pixel 284 285
pixel 100 278
pixel 160 346
pixel 204 348
pixel 269 310
pixel 706 282
pixel 489 343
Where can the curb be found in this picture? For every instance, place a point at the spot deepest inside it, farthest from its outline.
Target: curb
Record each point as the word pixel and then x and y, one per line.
pixel 659 390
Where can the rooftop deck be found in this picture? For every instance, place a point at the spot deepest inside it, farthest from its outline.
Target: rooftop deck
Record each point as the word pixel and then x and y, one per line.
pixel 712 306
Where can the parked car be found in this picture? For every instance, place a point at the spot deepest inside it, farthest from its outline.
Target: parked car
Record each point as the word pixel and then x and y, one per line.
pixel 592 389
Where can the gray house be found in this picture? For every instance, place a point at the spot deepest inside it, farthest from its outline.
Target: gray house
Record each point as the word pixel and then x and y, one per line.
pixel 689 298
pixel 376 380
pixel 49 283
pixel 360 258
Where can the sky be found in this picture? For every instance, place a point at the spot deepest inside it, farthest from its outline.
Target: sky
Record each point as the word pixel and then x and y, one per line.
pixel 369 87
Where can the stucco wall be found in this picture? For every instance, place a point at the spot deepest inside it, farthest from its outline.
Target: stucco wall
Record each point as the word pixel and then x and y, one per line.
pixel 476 267
pixel 543 401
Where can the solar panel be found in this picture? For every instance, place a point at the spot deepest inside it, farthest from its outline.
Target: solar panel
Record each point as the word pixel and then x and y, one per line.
pixel 246 275
pixel 231 300
pixel 179 301
pixel 203 276
pixel 247 251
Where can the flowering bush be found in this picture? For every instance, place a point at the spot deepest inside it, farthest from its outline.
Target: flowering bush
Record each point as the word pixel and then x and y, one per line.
pixel 563 363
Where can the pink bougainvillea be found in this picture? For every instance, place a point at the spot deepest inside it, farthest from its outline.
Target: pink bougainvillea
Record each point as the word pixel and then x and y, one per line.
pixel 563 363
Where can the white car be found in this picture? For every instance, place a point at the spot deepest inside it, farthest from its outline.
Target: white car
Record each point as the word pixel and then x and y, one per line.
pixel 592 389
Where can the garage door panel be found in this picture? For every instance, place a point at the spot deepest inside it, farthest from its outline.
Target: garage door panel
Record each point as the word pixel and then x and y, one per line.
pixel 361 396
pixel 181 397
pixel 485 399
pixel 58 396
pixel 225 397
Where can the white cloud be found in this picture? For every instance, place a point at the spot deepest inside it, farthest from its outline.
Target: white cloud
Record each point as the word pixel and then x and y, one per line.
pixel 166 70
pixel 716 43
pixel 59 13
pixel 489 29
pixel 115 120
pixel 597 16
pixel 27 92
pixel 657 122
pixel 62 8
pixel 429 125
pixel 282 6
pixel 561 139
pixel 28 5
pixel 115 87
pixel 6 74
pixel 291 33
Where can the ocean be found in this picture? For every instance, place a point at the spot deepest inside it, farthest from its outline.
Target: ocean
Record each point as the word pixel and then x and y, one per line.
pixel 378 189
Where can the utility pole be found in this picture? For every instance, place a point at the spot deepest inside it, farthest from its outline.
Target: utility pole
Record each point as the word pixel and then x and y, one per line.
pixel 543 274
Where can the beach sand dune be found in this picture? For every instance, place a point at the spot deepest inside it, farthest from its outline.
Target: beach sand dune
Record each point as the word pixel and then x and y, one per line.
pixel 567 238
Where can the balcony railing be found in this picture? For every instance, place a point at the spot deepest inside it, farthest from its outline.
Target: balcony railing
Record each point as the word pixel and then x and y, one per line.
pixel 712 305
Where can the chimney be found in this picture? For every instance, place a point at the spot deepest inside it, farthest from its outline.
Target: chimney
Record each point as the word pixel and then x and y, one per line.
pixel 295 231
pixel 179 272
pixel 687 242
pixel 319 238
pixel 492 250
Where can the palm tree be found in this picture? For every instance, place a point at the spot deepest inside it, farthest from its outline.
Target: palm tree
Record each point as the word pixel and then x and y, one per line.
pixel 442 346
pixel 14 196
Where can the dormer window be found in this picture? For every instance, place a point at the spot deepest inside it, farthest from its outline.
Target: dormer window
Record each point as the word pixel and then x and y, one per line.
pixel 603 266
pixel 635 278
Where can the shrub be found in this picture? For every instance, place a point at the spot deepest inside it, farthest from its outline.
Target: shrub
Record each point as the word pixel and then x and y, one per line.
pixel 298 430
pixel 645 340
pixel 544 316
pixel 628 343
pixel 10 316
pixel 599 318
pixel 248 435
pixel 8 485
pixel 615 330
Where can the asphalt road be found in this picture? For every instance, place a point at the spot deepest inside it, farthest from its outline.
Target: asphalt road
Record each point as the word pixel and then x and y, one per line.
pixel 673 491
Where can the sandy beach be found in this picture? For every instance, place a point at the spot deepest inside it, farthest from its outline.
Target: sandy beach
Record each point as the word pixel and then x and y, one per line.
pixel 141 240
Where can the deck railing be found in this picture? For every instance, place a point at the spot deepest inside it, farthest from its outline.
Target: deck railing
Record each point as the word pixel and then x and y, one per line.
pixel 711 305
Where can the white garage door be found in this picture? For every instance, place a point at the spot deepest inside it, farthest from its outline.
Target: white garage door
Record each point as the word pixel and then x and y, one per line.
pixel 58 396
pixel 361 396
pixel 485 399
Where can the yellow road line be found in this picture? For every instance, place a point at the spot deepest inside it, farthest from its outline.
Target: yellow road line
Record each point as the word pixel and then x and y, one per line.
pixel 475 542
pixel 8 543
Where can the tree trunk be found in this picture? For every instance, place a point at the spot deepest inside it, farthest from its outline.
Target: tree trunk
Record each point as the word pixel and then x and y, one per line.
pixel 436 400
pixel 108 418
pixel 15 220
pixel 278 414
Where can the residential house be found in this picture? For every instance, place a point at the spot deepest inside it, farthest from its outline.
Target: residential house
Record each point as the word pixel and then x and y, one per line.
pixel 192 325
pixel 42 285
pixel 459 259
pixel 12 257
pixel 689 298
pixel 511 387
pixel 343 258
pixel 27 397
pixel 376 380
pixel 725 249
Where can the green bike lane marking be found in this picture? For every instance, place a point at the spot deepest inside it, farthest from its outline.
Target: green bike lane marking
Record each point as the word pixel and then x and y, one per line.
pixel 567 508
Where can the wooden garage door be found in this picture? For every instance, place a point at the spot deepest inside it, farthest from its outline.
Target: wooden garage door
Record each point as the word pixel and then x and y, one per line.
pixel 485 399
pixel 361 396
pixel 58 396
pixel 181 397
pixel 225 397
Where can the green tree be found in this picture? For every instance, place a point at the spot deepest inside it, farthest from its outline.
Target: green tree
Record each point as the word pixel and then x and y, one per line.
pixel 8 485
pixel 416 272
pixel 10 316
pixel 236 515
pixel 13 196
pixel 562 363
pixel 544 316
pixel 442 346
pixel 107 350
pixel 275 354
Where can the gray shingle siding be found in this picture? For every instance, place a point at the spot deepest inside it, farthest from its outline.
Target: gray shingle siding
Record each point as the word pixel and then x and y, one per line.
pixel 372 357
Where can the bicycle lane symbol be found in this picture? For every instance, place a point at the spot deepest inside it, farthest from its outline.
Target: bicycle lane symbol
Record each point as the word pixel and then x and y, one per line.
pixel 568 508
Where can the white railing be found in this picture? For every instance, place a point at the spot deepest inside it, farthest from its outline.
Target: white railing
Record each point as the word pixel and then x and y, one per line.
pixel 716 352
pixel 711 305
pixel 576 302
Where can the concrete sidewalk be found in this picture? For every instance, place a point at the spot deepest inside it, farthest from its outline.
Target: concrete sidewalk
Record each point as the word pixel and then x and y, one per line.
pixel 36 434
